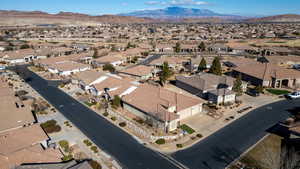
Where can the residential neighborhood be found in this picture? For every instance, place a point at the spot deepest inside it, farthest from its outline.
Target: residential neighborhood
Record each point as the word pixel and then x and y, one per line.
pixel 174 87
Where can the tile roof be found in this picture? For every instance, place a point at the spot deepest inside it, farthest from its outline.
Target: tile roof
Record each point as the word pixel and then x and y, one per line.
pixel 155 101
pixel 206 81
pixel 139 70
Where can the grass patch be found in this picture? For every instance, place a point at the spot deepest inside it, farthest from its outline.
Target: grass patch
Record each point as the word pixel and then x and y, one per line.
pixel 186 128
pixel 277 91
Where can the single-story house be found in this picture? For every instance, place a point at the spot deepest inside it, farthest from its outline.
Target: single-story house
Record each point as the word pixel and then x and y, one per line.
pixel 140 71
pixel 162 108
pixel 67 68
pixel 217 89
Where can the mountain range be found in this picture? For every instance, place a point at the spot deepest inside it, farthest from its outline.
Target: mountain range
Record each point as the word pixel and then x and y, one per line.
pixel 170 14
pixel 180 13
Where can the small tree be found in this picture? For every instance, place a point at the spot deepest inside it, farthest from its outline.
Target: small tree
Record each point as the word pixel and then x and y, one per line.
pixel 202 46
pixel 202 66
pixel 116 102
pixel 165 74
pixel 95 55
pixel 216 67
pixel 237 85
pixel 109 67
pixel 177 47
pixel 95 165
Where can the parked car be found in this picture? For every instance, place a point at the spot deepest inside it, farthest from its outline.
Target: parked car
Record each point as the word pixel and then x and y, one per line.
pixel 294 95
pixel 252 92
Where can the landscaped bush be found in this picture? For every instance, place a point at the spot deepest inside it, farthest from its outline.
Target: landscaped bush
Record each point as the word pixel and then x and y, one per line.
pixel 105 114
pixel 186 128
pixel 95 165
pixel 87 142
pixel 67 157
pixel 50 126
pixel 113 118
pixel 199 135
pixel 160 141
pixel 89 104
pixel 179 145
pixel 122 124
pixel 64 144
pixel 94 149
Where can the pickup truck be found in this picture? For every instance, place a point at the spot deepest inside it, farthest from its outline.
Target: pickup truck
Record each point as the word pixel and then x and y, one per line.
pixel 294 95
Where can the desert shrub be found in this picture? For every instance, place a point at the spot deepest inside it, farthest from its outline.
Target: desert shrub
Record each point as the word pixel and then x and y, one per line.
pixel 67 157
pixel 64 144
pixel 94 149
pixel 95 165
pixel 113 118
pixel 199 135
pixel 122 124
pixel 87 142
pixel 179 145
pixel 105 114
pixel 160 141
pixel 50 126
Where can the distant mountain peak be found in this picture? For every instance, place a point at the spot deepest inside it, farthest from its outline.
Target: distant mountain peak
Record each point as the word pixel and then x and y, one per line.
pixel 175 12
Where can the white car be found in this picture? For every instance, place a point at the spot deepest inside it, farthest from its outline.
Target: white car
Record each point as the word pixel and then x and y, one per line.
pixel 294 95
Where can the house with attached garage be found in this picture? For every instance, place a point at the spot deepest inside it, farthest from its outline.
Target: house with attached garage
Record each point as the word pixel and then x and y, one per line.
pixel 217 89
pixel 161 108
pixel 66 68
pixel 139 72
pixel 20 56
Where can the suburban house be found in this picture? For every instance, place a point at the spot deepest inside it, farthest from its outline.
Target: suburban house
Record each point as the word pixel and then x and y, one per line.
pixel 63 165
pixel 217 89
pixel 26 145
pixel 164 48
pixel 268 75
pixel 111 85
pixel 87 79
pixel 175 63
pixel 140 72
pixel 66 68
pixel 113 59
pixel 20 56
pixel 162 108
pixel 16 113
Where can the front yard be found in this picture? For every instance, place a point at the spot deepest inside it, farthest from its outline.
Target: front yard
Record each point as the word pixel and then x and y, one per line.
pixel 277 91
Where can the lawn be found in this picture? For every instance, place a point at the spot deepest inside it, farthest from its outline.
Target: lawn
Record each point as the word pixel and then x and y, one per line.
pixel 277 91
pixel 187 129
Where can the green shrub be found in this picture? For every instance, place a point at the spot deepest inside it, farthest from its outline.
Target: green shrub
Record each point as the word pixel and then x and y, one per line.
pixel 105 114
pixel 122 124
pixel 67 157
pixel 64 144
pixel 186 128
pixel 160 141
pixel 95 165
pixel 94 149
pixel 179 145
pixel 50 126
pixel 199 135
pixel 113 118
pixel 87 142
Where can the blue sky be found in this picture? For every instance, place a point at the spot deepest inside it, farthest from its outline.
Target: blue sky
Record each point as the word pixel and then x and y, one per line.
pixel 97 7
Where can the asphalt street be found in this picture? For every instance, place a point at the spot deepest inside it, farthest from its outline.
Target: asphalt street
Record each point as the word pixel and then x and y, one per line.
pixel 214 152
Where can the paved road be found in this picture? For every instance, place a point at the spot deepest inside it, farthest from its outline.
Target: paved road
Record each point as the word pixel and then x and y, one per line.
pixel 214 152
pixel 114 141
pixel 221 148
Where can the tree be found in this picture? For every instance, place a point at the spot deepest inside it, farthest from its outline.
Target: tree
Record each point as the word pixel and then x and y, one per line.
pixel 109 67
pixel 202 46
pixel 177 47
pixel 116 102
pixel 216 67
pixel 94 164
pixel 237 85
pixel 202 66
pixel 165 74
pixel 95 55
